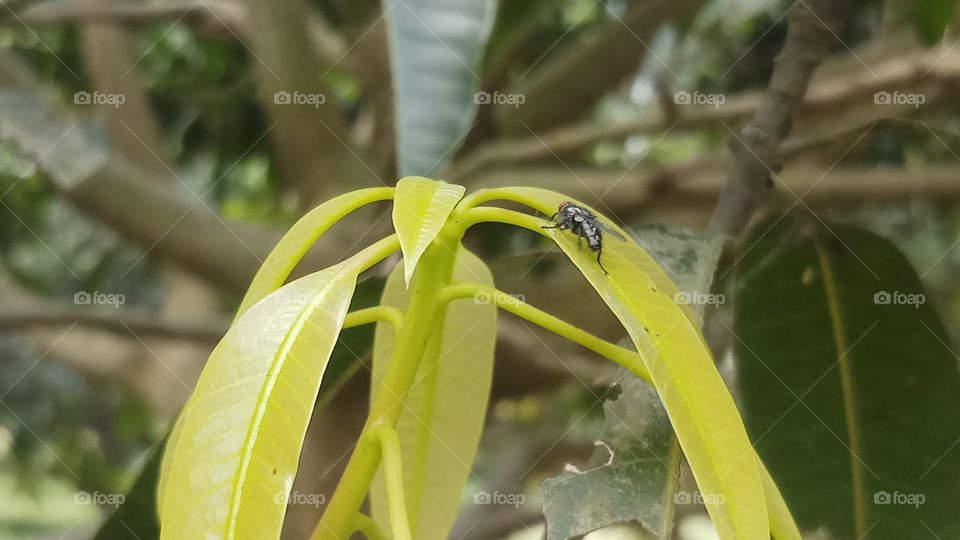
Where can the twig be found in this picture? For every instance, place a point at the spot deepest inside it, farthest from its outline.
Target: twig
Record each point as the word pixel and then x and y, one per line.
pixel 121 323
pixel 755 150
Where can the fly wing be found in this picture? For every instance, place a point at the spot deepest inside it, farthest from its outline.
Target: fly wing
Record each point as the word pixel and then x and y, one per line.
pixel 606 228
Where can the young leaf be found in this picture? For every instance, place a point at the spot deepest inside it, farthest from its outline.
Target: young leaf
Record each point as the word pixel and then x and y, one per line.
pixel 436 49
pixel 237 448
pixel 298 240
pixel 667 336
pixel 443 416
pixel 420 209
pixel 837 342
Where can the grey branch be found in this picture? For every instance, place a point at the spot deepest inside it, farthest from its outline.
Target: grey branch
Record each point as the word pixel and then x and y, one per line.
pixel 812 30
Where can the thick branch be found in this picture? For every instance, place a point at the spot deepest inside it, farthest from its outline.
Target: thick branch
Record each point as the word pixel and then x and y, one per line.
pixel 842 97
pixel 575 76
pixel 228 13
pixel 310 139
pixel 121 323
pixel 811 32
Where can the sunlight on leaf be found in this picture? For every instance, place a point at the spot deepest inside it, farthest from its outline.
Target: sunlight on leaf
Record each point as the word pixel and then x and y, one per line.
pixel 421 207
pixel 237 449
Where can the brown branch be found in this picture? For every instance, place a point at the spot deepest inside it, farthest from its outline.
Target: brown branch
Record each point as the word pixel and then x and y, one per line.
pixel 697 185
pixel 312 143
pixel 811 32
pixel 573 77
pixel 121 323
pixel 217 12
pixel 841 97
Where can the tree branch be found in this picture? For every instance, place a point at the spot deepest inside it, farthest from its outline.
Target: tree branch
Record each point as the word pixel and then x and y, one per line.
pixel 811 32
pixel 558 90
pixel 310 139
pixel 841 97
pixel 121 323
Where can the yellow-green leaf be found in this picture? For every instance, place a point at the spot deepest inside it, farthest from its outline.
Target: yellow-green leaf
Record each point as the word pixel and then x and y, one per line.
pixel 301 236
pixel 782 524
pixel 420 209
pixel 443 416
pixel 666 335
pixel 236 450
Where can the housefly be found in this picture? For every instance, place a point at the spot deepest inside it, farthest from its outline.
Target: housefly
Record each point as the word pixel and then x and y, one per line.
pixel 585 225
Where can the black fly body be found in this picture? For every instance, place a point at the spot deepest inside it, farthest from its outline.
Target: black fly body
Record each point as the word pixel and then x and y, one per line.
pixel 585 225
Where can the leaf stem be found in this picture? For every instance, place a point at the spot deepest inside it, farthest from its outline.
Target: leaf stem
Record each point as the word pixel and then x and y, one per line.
pixel 625 357
pixel 365 524
pixel 506 194
pixel 423 316
pixel 389 443
pixel 387 314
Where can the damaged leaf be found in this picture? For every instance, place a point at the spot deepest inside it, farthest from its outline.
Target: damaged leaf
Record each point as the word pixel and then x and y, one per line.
pixel 636 483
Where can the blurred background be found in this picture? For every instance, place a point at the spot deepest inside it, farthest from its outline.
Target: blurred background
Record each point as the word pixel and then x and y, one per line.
pixel 153 153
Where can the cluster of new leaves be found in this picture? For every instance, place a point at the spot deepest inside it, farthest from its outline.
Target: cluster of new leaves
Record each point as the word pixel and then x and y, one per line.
pixel 232 457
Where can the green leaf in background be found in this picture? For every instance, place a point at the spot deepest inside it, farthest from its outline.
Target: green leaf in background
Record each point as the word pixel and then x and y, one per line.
pixel 640 481
pixel 637 483
pixel 848 387
pixel 420 209
pixel 931 18
pixel 436 48
pixel 444 412
pixel 238 443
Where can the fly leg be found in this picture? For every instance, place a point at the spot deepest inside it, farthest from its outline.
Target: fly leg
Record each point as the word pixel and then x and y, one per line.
pixel 600 252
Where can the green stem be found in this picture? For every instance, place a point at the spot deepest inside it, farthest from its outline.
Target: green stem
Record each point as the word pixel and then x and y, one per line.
pixel 625 357
pixel 365 524
pixel 393 476
pixel 433 273
pixel 471 217
pixel 387 314
pixel 505 194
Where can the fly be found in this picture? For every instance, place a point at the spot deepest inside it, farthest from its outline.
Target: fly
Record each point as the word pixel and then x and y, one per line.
pixel 585 225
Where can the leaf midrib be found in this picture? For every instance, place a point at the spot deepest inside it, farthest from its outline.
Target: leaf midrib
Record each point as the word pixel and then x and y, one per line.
pixel 847 387
pixel 273 374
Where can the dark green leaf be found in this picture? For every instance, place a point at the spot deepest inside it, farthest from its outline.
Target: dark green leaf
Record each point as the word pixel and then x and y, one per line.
pixel 849 389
